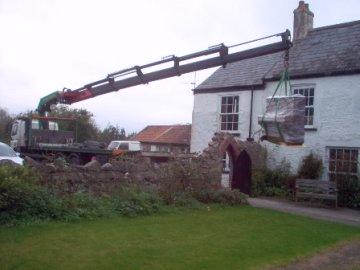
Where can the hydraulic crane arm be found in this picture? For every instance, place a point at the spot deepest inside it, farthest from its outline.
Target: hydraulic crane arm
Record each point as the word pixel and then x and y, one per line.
pixel 137 75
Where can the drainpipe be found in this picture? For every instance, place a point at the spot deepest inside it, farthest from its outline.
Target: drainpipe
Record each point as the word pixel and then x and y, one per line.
pixel 250 139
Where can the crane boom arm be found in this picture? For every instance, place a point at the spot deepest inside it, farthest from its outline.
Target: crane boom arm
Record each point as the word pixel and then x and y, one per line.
pixel 136 75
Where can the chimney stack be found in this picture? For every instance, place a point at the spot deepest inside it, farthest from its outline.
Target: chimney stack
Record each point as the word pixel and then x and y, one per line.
pixel 303 20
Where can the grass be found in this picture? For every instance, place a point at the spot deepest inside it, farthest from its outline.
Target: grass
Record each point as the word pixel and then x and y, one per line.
pixel 222 238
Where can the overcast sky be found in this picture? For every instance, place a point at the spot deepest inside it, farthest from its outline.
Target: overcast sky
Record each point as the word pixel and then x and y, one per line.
pixel 50 44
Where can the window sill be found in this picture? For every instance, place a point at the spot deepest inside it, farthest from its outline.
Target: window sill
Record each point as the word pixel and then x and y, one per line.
pixel 232 132
pixel 310 128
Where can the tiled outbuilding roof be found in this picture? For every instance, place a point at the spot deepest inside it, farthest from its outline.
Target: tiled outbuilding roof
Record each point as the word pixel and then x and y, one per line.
pixel 175 134
pixel 325 51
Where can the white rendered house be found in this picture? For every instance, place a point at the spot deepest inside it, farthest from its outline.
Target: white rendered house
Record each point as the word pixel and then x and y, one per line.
pixel 324 67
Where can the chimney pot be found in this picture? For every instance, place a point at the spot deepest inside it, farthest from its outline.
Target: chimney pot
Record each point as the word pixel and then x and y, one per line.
pixel 303 20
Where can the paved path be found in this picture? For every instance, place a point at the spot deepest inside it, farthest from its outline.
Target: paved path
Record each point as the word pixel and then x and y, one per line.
pixel 343 257
pixel 341 215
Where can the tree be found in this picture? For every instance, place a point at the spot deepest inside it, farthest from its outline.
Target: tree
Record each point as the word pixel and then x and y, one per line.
pixel 311 167
pixel 5 125
pixel 112 133
pixel 131 135
pixel 83 123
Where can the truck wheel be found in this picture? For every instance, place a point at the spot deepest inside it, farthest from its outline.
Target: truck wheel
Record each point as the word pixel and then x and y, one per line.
pixel 74 159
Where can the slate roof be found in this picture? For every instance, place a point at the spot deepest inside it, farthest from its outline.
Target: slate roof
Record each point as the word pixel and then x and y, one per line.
pixel 173 134
pixel 325 51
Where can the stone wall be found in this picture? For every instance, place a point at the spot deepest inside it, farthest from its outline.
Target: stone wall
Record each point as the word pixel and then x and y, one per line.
pixel 65 179
pixel 226 142
pixel 93 178
pixel 221 142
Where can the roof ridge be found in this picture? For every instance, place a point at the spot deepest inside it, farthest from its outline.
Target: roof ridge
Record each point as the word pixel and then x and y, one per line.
pixel 174 125
pixel 162 133
pixel 338 25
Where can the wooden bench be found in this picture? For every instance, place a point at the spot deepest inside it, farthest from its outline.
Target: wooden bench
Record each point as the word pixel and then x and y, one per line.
pixel 317 189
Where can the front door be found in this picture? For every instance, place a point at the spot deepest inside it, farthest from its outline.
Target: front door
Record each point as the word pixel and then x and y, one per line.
pixel 242 173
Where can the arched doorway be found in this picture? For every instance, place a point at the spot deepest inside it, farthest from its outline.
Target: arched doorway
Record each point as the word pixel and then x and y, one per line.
pixel 241 175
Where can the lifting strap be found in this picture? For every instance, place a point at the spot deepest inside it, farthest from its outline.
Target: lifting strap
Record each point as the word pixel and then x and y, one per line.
pixel 284 80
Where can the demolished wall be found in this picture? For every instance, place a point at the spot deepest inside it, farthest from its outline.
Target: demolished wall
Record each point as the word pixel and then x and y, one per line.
pixel 206 169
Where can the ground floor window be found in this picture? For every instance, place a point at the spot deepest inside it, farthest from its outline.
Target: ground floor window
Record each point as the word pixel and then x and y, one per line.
pixel 160 148
pixel 343 164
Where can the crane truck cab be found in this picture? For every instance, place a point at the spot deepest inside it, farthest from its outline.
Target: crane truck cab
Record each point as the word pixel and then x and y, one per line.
pixel 20 131
pixel 40 138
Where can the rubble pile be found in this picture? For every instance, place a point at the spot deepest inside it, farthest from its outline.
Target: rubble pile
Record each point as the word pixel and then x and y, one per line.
pixel 64 178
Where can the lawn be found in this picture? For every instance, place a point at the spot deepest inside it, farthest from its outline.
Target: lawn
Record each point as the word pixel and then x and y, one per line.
pixel 218 238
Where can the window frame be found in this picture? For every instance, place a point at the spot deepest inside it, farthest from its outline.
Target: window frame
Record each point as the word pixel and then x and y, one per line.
pixel 123 146
pixel 234 114
pixel 308 87
pixel 14 129
pixel 336 162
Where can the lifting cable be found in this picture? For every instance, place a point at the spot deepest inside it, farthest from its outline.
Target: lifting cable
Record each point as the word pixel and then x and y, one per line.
pixel 285 82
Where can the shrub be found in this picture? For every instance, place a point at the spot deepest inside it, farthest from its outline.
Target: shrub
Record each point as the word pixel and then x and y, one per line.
pixel 223 196
pixel 274 192
pixel 132 201
pixel 181 183
pixel 22 198
pixel 258 180
pixel 311 167
pixel 349 191
pixel 276 182
pixel 180 176
pixel 80 205
pixel 20 195
pixel 186 199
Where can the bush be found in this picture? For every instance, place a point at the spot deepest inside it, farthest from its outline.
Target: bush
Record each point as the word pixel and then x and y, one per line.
pixel 274 192
pixel 223 196
pixel 277 182
pixel 24 198
pixel 311 167
pixel 132 201
pixel 79 205
pixel 20 195
pixel 186 199
pixel 180 176
pixel 258 181
pixel 349 192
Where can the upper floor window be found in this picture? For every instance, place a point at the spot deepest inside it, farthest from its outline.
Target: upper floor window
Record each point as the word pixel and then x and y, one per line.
pixel 308 93
pixel 229 115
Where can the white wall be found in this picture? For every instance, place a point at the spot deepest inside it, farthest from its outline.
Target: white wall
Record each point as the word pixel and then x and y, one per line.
pixel 336 118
